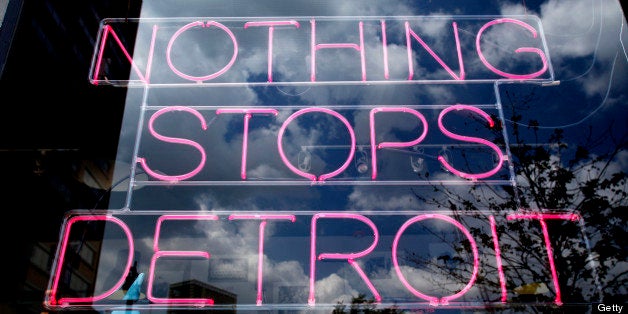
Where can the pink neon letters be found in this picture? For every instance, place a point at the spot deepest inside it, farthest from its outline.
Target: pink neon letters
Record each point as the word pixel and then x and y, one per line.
pixel 63 247
pixel 314 47
pixel 361 47
pixel 271 29
pixel 498 259
pixel 249 112
pixel 161 253
pixel 541 217
pixel 404 281
pixel 411 33
pixel 209 76
pixel 175 140
pixel 315 254
pixel 385 49
pixel 500 156
pixel 375 146
pixel 260 254
pixel 540 52
pixel 350 257
pixel 304 174
pixel 245 141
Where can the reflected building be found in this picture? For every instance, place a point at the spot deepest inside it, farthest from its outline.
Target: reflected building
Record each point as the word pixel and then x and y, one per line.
pixel 59 138
pixel 198 289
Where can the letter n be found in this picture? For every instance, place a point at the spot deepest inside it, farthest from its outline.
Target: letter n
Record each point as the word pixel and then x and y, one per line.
pixel 97 63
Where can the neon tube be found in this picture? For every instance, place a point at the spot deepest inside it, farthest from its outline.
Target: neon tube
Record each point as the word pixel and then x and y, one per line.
pixel 61 258
pixel 107 29
pixel 245 138
pixel 163 218
pixel 348 256
pixel 518 50
pixel 541 217
pixel 200 79
pixel 271 29
pixel 304 174
pixel 375 146
pixel 410 32
pixel 314 47
pixel 463 138
pixel 151 279
pixel 175 140
pixel 161 253
pixel 476 260
pixel 498 259
pixel 260 254
pixel 385 49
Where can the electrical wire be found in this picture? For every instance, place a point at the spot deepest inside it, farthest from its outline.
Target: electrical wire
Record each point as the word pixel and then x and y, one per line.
pixel 602 103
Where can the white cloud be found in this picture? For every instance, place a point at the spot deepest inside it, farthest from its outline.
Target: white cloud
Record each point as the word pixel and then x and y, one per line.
pixel 367 200
pixel 333 289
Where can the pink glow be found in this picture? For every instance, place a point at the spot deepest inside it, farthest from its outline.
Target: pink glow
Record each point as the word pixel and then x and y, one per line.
pixel 476 260
pixel 272 23
pixel 541 217
pixel 522 49
pixel 307 175
pixel 375 146
pixel 362 53
pixel 151 54
pixel 163 218
pixel 200 79
pixel 369 284
pixel 151 278
pixel 159 253
pixel 348 256
pixel 498 259
pixel 108 30
pixel 245 140
pixel 572 217
pixel 292 218
pixel 410 32
pixel 61 258
pixel 463 138
pixel 260 254
pixel 175 140
pixel 314 47
pixel 260 262
pixel 313 51
pixel 70 231
pixel 108 38
pixel 550 255
pixel 385 49
pixel 271 29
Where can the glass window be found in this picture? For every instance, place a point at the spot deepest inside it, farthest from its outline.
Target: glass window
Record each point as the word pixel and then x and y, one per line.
pixel 389 156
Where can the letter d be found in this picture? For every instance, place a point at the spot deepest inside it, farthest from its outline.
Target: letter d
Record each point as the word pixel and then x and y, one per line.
pixel 58 267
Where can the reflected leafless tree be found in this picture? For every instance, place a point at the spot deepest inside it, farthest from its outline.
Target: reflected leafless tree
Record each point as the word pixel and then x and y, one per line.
pixel 590 256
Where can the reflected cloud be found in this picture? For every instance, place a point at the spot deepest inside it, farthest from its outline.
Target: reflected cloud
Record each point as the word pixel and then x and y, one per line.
pixel 334 289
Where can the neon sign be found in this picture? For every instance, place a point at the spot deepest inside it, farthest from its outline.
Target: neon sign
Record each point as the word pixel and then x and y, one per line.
pixel 306 51
pixel 233 256
pixel 421 123
pixel 378 239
